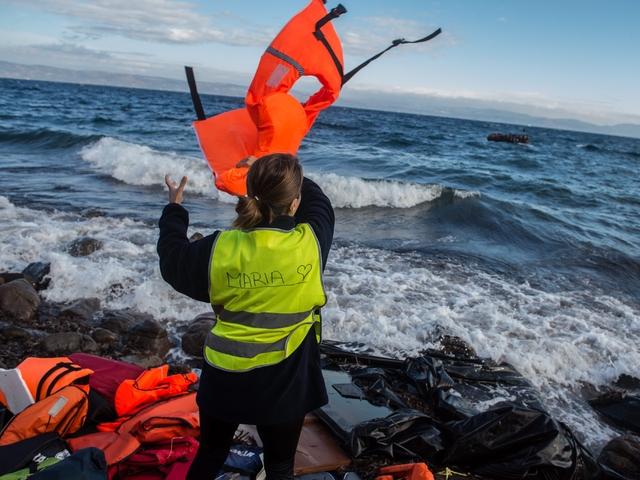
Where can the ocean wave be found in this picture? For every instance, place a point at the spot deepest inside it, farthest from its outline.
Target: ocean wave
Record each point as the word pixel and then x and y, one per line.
pixel 140 165
pixel 609 151
pixel 353 192
pixel 45 138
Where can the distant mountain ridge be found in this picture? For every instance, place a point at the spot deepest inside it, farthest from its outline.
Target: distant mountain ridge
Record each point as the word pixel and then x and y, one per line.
pixel 353 97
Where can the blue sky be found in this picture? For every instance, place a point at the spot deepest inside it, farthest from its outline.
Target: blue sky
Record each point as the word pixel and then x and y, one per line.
pixel 577 59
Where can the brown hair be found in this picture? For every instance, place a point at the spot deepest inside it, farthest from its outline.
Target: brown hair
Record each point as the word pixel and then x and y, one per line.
pixel 273 182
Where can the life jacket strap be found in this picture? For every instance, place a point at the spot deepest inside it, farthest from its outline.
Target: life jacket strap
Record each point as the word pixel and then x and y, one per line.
pixel 334 13
pixel 395 43
pixel 62 368
pixel 197 104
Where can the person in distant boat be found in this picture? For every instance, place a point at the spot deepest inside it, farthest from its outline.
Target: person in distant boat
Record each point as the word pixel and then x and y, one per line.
pixel 264 282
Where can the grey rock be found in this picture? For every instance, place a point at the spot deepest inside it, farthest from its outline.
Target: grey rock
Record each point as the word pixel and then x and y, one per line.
pixel 18 299
pixel 23 334
pixel 146 361
pixel 149 336
pixel 10 277
pixel 456 346
pixel 196 236
pixel 104 336
pixel 38 271
pixel 69 342
pixel 193 340
pixel 83 246
pixel 621 455
pixel 84 309
pixel 119 321
pixel 16 333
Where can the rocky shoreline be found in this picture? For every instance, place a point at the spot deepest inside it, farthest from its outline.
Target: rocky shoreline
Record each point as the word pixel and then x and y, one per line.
pixel 32 326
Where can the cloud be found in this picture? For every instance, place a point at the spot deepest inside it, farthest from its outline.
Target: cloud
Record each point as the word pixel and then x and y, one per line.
pixel 166 21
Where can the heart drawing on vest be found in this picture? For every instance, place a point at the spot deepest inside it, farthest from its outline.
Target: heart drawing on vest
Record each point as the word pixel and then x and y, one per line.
pixel 304 270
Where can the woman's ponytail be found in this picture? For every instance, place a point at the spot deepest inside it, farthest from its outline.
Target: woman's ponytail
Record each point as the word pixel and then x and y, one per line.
pixel 273 183
pixel 248 210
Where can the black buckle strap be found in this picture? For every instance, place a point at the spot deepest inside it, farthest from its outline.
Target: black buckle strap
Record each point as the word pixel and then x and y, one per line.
pixel 197 104
pixel 64 368
pixel 395 43
pixel 334 13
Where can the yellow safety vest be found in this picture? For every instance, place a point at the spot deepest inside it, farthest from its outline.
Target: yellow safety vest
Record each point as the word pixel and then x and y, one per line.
pixel 265 286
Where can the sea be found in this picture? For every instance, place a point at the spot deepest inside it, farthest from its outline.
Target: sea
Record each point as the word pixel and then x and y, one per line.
pixel 528 253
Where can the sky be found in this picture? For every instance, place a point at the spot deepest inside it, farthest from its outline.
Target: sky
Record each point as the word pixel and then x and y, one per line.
pixel 569 59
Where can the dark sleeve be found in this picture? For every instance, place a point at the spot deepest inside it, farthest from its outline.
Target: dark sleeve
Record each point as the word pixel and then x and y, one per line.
pixel 316 210
pixel 183 264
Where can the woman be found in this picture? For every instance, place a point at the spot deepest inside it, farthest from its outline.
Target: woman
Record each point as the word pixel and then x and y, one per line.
pixel 264 281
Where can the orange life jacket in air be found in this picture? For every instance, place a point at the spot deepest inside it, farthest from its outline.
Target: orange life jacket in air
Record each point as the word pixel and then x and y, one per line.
pixel 274 121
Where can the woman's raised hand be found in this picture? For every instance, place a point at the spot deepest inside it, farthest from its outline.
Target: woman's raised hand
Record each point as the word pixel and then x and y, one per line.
pixel 175 193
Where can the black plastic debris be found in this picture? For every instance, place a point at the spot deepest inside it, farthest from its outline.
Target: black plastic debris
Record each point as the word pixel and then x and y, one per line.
pixel 468 414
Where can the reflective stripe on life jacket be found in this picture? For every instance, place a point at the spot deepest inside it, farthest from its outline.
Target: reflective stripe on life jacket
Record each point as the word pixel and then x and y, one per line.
pixel 265 286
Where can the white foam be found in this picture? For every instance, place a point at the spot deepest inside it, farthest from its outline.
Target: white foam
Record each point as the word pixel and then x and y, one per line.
pixel 400 305
pixel 397 304
pixel 353 192
pixel 140 165
pixel 123 273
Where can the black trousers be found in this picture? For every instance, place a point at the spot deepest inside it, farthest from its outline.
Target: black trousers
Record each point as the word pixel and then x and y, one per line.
pixel 279 442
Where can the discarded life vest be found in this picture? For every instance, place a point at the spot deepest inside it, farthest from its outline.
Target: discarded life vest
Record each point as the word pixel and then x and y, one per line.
pixel 107 374
pixel 45 376
pixel 64 412
pixel 150 387
pixel 173 417
pixel 408 471
pixel 273 121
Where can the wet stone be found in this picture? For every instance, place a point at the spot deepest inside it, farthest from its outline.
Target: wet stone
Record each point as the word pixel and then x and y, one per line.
pixel 83 246
pixel 84 309
pixel 148 336
pixel 18 333
pixel 104 336
pixel 10 277
pixel 119 321
pixel 69 342
pixel 193 340
pixel 146 361
pixel 621 455
pixel 38 271
pixel 18 299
